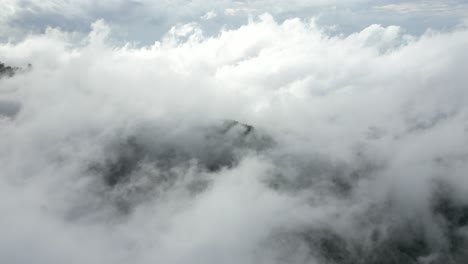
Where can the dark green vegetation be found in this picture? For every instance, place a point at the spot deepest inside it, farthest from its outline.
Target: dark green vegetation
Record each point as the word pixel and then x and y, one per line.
pixel 159 160
pixel 7 71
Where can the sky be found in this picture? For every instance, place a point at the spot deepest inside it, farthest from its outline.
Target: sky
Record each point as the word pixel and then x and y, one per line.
pixel 234 132
pixel 145 21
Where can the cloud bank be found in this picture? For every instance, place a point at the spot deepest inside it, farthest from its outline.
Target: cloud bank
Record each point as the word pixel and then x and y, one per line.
pixel 145 21
pixel 274 142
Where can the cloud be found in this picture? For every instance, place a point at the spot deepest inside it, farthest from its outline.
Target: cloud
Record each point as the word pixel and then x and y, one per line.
pixel 344 146
pixel 145 21
pixel 440 7
pixel 209 15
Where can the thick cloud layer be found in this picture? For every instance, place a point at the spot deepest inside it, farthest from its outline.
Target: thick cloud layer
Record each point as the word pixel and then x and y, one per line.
pixel 270 143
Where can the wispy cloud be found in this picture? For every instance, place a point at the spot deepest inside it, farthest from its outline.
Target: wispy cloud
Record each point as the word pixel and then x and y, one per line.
pixel 441 7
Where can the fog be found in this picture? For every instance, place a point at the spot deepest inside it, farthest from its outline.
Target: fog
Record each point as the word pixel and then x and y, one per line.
pixel 271 142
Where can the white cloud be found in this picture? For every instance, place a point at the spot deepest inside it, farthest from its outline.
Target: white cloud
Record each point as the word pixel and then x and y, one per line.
pixel 366 127
pixel 209 15
pixel 145 21
pixel 442 7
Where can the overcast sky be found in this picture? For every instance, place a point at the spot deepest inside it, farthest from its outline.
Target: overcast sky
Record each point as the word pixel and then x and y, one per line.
pixel 145 21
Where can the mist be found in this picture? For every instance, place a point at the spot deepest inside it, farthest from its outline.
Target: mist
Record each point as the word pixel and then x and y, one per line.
pixel 274 141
